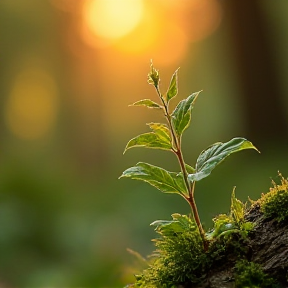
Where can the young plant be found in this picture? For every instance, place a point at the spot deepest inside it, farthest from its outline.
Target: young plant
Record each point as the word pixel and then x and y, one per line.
pixel 169 137
pixel 225 225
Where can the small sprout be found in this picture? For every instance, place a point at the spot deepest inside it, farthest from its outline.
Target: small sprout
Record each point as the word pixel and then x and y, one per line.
pixel 225 225
pixel 153 76
pixel 168 137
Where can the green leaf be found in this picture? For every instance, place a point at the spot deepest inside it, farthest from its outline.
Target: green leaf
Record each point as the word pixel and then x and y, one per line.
pixel 215 154
pixel 167 182
pixel 237 209
pixel 179 224
pixel 225 225
pixel 189 168
pixel 222 224
pixel 148 103
pixel 148 140
pixel 158 139
pixel 181 116
pixel 173 87
pixel 162 131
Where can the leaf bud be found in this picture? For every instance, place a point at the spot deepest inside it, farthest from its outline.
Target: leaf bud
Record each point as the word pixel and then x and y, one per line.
pixel 153 76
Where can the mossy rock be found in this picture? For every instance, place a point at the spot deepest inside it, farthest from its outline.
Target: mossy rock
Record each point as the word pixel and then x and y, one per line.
pixel 265 251
pixel 267 247
pixel 247 248
pixel 274 204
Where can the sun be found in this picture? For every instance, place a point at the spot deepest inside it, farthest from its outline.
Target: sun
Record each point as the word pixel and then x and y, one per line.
pixel 112 19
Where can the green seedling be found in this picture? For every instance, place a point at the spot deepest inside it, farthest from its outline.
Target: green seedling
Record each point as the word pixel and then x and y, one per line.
pixel 169 137
pixel 227 224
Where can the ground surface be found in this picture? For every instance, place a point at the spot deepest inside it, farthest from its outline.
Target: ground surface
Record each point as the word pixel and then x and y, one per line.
pixel 266 245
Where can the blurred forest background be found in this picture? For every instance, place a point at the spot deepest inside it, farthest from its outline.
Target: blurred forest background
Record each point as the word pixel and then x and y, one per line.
pixel 69 70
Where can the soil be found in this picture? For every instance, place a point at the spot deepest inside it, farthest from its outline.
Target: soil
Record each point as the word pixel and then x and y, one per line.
pixel 266 245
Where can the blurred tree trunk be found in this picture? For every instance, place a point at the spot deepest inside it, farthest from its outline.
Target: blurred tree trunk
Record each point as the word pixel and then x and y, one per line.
pixel 85 108
pixel 258 73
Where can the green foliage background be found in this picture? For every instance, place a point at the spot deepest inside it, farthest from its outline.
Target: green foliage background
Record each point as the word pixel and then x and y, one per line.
pixel 65 218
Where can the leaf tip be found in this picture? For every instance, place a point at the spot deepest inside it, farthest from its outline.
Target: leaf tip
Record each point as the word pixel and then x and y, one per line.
pixel 197 94
pixel 254 147
pixel 126 148
pixel 257 149
pixel 120 176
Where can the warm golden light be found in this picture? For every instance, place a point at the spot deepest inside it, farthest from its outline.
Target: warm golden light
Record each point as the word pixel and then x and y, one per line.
pixel 32 105
pixel 162 29
pixel 200 18
pixel 112 19
pixel 165 43
pixel 144 37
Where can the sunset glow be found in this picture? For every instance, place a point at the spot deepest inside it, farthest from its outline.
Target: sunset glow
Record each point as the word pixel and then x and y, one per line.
pixel 112 19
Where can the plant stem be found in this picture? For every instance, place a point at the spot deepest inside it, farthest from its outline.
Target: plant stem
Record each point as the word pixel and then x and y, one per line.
pixel 190 188
pixel 183 168
pixel 167 115
pixel 191 201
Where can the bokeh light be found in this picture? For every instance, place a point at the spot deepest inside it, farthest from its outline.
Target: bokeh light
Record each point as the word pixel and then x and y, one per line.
pixel 199 18
pixel 32 105
pixel 141 28
pixel 110 19
pixel 152 39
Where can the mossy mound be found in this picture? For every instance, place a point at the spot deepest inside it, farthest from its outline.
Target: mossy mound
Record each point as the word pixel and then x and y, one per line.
pixel 274 204
pixel 248 248
pixel 179 258
pixel 266 246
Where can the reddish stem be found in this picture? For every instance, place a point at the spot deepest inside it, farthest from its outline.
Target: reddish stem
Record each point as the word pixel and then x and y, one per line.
pixel 190 188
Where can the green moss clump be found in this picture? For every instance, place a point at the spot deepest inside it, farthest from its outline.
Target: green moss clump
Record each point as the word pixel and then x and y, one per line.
pixel 250 275
pixel 226 225
pixel 179 258
pixel 275 202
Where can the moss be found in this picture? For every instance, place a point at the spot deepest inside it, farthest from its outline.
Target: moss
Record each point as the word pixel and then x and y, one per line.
pixel 179 258
pixel 275 202
pixel 181 261
pixel 250 275
pixel 234 222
